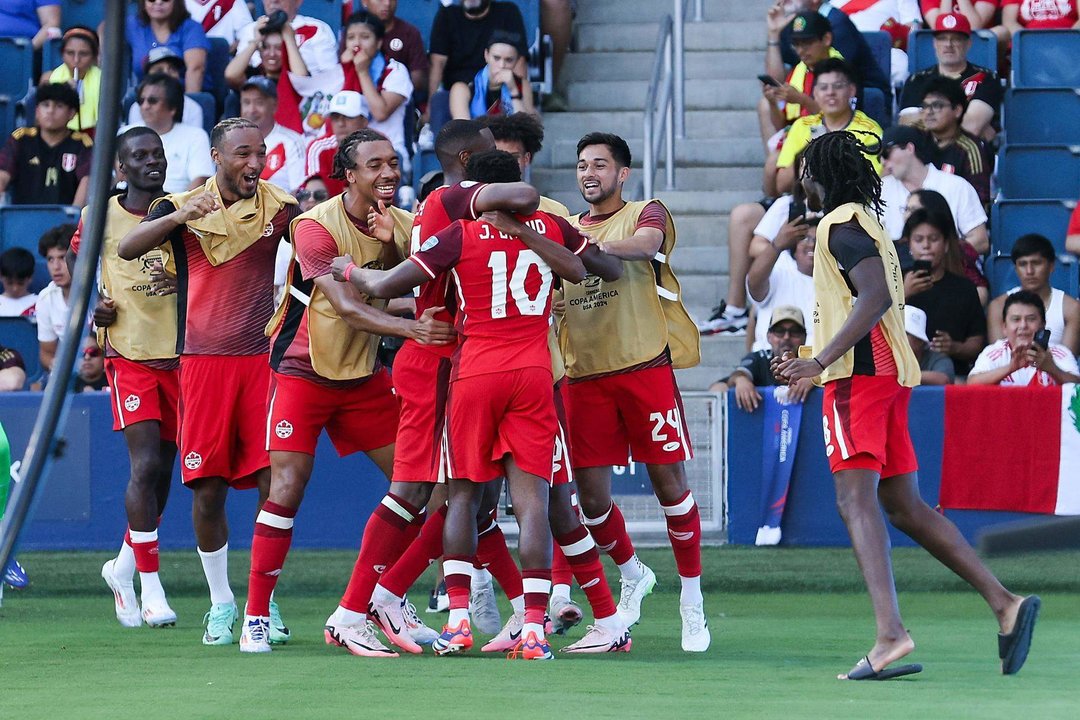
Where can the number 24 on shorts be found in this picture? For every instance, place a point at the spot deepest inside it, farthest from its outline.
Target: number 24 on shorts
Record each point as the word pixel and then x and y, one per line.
pixel 659 433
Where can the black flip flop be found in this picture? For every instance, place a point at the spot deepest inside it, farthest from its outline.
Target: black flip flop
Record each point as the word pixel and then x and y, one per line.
pixel 1013 648
pixel 863 670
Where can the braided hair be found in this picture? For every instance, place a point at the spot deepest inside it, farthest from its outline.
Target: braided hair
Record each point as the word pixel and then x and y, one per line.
pixel 838 160
pixel 343 158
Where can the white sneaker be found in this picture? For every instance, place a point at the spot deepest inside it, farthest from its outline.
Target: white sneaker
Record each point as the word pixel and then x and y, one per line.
pixel 418 631
pixel 158 614
pixel 483 609
pixel 599 639
pixel 359 640
pixel 127 607
pixel 633 592
pixel 564 613
pixel 255 637
pixel 390 618
pixel 695 628
pixel 509 637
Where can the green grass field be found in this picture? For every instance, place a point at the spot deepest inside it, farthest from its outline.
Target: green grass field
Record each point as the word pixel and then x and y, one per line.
pixel 784 622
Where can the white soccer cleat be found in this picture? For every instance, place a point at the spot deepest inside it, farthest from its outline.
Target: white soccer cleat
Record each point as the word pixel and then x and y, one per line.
pixel 360 640
pixel 418 631
pixel 255 637
pixel 390 618
pixel 564 614
pixel 127 607
pixel 158 614
pixel 219 624
pixel 601 640
pixel 509 637
pixel 633 592
pixel 483 609
pixel 695 628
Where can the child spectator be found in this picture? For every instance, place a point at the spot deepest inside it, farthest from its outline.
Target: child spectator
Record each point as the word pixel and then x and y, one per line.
pixel 495 89
pixel 16 273
pixel 52 304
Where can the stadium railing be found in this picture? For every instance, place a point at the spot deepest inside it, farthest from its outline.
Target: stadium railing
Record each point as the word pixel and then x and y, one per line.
pixel 1012 218
pixel 1036 172
pixel 1046 59
pixel 921 50
pixel 20 334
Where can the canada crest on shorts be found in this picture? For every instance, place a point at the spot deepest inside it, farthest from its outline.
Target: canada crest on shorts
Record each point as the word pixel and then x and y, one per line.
pixel 132 403
pixel 68 161
pixel 283 429
pixel 192 460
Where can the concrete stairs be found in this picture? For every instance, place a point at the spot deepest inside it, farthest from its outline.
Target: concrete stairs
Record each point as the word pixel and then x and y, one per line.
pixel 718 164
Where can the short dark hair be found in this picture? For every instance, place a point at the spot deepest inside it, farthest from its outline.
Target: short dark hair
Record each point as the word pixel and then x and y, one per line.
pixel 217 135
pixel 455 137
pixel 363 17
pixel 506 37
pixel 174 91
pixel 521 127
pixel 493 166
pixel 343 158
pixel 130 135
pixel 1024 297
pixel 620 151
pixel 836 65
pixel 17 263
pixel 1033 244
pixel 948 88
pixel 57 92
pixel 56 237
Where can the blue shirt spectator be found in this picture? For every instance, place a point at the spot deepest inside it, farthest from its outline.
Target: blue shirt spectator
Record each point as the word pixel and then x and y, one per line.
pixel 153 24
pixel 37 19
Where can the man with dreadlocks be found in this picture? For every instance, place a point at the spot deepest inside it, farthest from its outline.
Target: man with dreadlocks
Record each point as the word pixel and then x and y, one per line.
pixel 862 359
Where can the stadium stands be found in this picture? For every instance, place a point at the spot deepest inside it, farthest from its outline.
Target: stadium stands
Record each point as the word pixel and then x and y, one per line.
pixel 217 59
pixel 1039 171
pixel 1041 116
pixel 20 334
pixel 1002 274
pixel 921 50
pixel 1046 59
pixel 81 12
pixel 22 225
pixel 1012 218
pixel 17 60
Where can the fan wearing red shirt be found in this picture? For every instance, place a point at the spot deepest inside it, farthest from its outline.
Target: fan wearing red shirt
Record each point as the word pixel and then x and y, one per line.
pixel 501 418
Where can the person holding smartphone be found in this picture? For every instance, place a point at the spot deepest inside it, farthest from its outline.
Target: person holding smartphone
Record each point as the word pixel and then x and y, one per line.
pixel 1025 356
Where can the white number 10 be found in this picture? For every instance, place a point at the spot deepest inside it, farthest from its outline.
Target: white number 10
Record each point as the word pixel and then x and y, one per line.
pixel 526 305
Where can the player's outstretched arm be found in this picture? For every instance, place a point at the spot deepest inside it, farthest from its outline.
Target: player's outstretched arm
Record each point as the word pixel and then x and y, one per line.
pixel 161 222
pixel 350 305
pixel 561 260
pixel 642 245
pixel 518 197
pixel 378 283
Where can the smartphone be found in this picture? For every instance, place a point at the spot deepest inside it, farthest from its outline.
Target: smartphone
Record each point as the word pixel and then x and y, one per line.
pixel 797 209
pixel 1042 339
pixel 769 80
pixel 922 266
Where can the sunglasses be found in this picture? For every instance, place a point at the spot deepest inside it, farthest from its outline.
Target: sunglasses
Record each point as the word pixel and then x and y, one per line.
pixel 91 352
pixel 318 195
pixel 150 100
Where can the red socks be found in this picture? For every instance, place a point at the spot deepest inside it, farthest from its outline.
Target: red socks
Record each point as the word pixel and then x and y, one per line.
pixel 561 574
pixel 684 531
pixel 537 587
pixel 269 546
pixel 388 532
pixel 457 572
pixel 583 558
pixel 609 532
pixel 145 547
pixel 426 549
pixel 492 553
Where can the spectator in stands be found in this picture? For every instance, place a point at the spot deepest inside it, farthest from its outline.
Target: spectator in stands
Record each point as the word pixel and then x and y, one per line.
pixel 403 42
pixel 958 151
pixel 1072 235
pixel 1016 359
pixel 783 274
pixel 187 148
pixel 787 331
pixel 1033 257
pixel 322 76
pixel 834 88
pixel 48 164
pixel 1017 15
pixel 557 22
pixel 952 41
pixel 90 376
pixel 52 304
pixel 898 18
pixel 384 83
pixel 220 18
pixel 12 370
pixel 165 61
pixel 284 148
pixel 954 316
pixel 276 51
pixel 937 369
pixel 935 203
pixel 38 20
pixel 495 89
pixel 347 115
pixel 167 22
pixel 79 69
pixel 906 154
pixel 459 36
pixel 520 134
pixel 978 13
pixel 16 273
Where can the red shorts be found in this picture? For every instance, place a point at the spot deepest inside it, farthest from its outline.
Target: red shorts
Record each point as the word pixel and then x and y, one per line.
pixel 142 393
pixel 223 417
pixel 358 419
pixel 865 422
pixel 562 463
pixel 421 381
pixel 636 414
pixel 498 414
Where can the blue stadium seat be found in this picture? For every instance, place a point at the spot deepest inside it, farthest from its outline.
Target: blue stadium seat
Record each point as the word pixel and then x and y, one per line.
pixel 82 12
pixel 329 11
pixel 873 104
pixel 7 116
pixel 1042 116
pixel 1039 171
pixel 420 13
pixel 51 58
pixel 208 103
pixel 1002 274
pixel 42 278
pixel 17 60
pixel 22 225
pixel 921 50
pixel 424 162
pixel 20 334
pixel 1012 218
pixel 1046 59
pixel 217 59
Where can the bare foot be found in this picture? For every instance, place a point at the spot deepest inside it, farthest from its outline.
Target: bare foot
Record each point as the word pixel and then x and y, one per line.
pixel 886 652
pixel 1006 617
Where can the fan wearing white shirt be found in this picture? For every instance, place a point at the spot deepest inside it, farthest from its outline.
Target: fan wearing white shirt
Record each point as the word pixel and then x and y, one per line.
pixel 163 59
pixel 284 148
pixel 52 303
pixel 904 154
pixel 220 18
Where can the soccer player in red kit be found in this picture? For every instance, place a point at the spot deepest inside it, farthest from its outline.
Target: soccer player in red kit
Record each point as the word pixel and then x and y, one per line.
pixel 501 418
pixel 224 237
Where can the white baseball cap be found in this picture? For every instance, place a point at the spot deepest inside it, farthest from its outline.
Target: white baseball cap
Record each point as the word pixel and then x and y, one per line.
pixel 348 103
pixel 915 322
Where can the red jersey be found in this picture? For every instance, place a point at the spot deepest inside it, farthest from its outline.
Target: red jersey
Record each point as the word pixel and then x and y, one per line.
pixel 439 210
pixel 504 292
pixel 224 309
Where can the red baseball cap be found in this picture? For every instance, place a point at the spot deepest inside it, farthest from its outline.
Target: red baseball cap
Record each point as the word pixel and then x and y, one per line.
pixel 952 22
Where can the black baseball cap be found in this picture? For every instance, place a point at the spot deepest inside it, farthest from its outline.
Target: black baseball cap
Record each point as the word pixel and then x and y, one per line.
pixel 810 26
pixel 902 136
